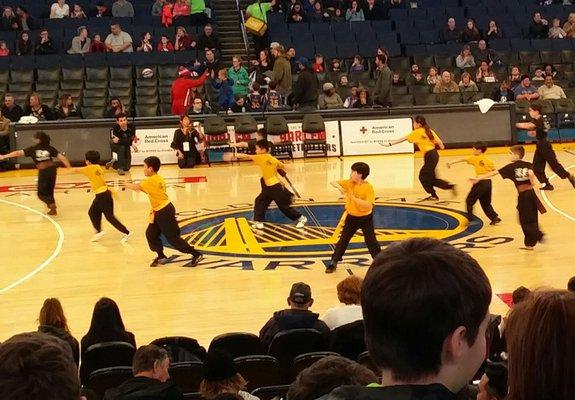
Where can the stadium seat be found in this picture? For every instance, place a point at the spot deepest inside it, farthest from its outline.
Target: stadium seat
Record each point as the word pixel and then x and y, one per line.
pixel 238 344
pixel 104 355
pixel 306 360
pixel 108 378
pixel 349 339
pixel 425 99
pixel 402 100
pixel 93 112
pixel 187 375
pixel 529 57
pixel 245 125
pixel 259 370
pixel 278 392
pixel 449 98
pixel 22 76
pixel 366 360
pixel 287 345
pixel 276 125
pixel 314 140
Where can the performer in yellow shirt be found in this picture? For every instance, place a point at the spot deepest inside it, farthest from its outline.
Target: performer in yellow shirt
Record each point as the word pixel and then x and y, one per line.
pixel 103 202
pixel 162 216
pixel 481 190
pixel 426 140
pixel 359 200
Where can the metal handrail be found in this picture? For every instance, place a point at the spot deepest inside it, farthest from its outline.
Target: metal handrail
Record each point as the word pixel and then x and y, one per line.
pixel 243 28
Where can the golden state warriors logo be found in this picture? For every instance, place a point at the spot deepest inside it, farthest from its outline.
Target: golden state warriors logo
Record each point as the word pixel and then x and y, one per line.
pixel 227 232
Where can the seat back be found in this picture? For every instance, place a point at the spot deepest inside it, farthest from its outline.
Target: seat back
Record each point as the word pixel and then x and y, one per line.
pixel 313 123
pixel 181 348
pixel 348 340
pixel 108 378
pixel 276 125
pixel 238 344
pixel 245 125
pixel 104 355
pixel 278 392
pixel 187 375
pixel 306 360
pixel 259 370
pixel 289 344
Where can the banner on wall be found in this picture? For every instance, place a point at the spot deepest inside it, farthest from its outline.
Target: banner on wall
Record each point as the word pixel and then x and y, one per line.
pixel 154 142
pixel 365 137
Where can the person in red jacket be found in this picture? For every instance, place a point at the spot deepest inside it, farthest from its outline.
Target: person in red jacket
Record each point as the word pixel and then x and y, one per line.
pixel 182 89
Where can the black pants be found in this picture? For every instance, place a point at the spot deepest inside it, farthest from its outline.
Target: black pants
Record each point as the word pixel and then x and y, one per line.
pixel 528 217
pixel 124 156
pixel 351 225
pixel 46 184
pixel 427 174
pixel 544 154
pixel 278 194
pixel 261 43
pixel 190 160
pixel 104 204
pixel 481 191
pixel 165 223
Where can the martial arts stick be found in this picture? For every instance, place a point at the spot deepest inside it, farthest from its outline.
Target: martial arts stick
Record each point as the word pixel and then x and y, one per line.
pixel 570 152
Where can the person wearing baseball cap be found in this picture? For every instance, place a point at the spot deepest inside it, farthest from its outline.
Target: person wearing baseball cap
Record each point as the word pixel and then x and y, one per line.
pixel 298 316
pixel 306 88
pixel 329 99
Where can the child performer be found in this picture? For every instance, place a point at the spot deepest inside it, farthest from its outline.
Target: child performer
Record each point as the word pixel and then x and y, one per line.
pixel 359 200
pixel 528 204
pixel 103 202
pixel 426 140
pixel 544 153
pixel 162 216
pixel 481 190
pixel 272 188
pixel 43 154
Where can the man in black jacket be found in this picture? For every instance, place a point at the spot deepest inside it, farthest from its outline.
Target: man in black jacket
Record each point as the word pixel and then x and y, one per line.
pixel 122 136
pixel 150 381
pixel 10 109
pixel 305 91
pixel 298 316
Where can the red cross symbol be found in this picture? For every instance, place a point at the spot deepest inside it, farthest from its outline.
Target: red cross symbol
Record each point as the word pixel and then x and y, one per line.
pixel 363 130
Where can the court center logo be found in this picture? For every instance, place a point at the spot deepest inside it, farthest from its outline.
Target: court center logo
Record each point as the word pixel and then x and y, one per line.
pixel 227 232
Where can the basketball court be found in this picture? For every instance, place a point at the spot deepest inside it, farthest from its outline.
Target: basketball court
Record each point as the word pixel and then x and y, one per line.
pixel 246 274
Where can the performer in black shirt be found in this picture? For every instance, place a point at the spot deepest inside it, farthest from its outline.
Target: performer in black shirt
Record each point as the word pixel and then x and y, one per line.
pixel 122 136
pixel 544 153
pixel 185 140
pixel 43 154
pixel 528 204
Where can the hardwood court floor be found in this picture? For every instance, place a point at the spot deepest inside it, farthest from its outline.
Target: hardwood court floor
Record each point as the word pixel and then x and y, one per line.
pixel 56 259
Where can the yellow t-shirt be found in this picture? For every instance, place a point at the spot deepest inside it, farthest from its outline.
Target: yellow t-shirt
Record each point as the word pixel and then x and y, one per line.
pixel 363 191
pixel 420 138
pixel 481 163
pixel 155 188
pixel 95 175
pixel 269 166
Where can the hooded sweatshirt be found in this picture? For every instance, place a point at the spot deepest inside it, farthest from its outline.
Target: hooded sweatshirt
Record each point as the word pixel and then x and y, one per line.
pixel 65 336
pixel 141 388
pixel 291 319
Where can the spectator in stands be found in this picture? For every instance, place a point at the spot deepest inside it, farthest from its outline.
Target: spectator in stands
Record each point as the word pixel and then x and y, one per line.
pixel 352 98
pixel 493 383
pixel 328 373
pixel 549 70
pixel 157 7
pixel 318 14
pixel 363 99
pixel 198 107
pixel 181 9
pixel 239 105
pixel 122 9
pixel 261 68
pixel 221 377
pixel 4 50
pixel 514 77
pixel 297 316
pixel 318 65
pixel 97 46
pixel 343 86
pixel 118 41
pixel 183 41
pixel 569 26
pixel 382 88
pixel 9 20
pixel 550 91
pixel 10 109
pixel 304 96
pixel 23 18
pixel 466 84
pixel 465 59
pixel 540 347
pixel 208 40
pixel 60 9
pixel 354 12
pixel 485 74
pixel 349 295
pixel 526 91
pixel 45 45
pixel 373 10
pixel 539 28
pixel 493 31
pixel 282 71
pixel 78 12
pixel 446 84
pixel 256 101
pixel 571 284
pixel 297 14
pixel 396 79
pixel 115 108
pixel 414 70
pixel 151 378
pixel 335 65
pixel 212 64
pixel 450 34
pixel 274 100
pixel 101 10
pixel 38 366
pixel 432 76
pixel 81 43
pixel 146 44
pixel 66 108
pixel 329 99
pixel 470 33
pixel 291 57
pixel 357 64
pixel 423 285
pixel 239 75
pixel 25 46
pixel 337 15
pixel 538 75
pixel 35 108
pixel 482 53
pixel 53 322
pixel 224 85
pixel 183 89
pixel 165 44
pixel 556 32
pixel 106 326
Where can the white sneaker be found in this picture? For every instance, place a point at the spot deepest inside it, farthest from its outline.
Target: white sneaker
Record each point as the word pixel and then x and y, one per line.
pixel 301 222
pixel 259 225
pixel 98 236
pixel 125 237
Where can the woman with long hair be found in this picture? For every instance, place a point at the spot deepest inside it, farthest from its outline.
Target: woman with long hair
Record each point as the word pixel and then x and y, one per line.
pixel 43 154
pixel 426 140
pixel 53 322
pixel 106 326
pixel 66 108
pixel 186 137
pixel 24 46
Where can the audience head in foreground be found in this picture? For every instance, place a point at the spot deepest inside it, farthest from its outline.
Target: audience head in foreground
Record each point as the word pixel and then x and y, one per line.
pixel 221 376
pixel 493 383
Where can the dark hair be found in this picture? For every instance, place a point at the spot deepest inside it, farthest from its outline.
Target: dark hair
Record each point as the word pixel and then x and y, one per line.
pixel 43 138
pixel 382 59
pixel 520 294
pixel 536 107
pixel 518 149
pixel 571 284
pixel 256 86
pixel 415 294
pixel 361 168
pixel 114 98
pixel 93 156
pixel 420 119
pixel 52 314
pixel 480 146
pixel 238 96
pixel 327 374
pixel 540 347
pixel 37 365
pixel 263 144
pixel 263 133
pixel 146 357
pixel 106 324
pixel 63 98
pixel 153 162
pixel 121 115
pixel 497 375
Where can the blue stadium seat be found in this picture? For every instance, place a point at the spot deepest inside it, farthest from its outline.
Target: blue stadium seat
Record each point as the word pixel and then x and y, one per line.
pixel 409 37
pixel 415 49
pixel 48 61
pixel 323 38
pixel 22 62
pixel 4 63
pixel 280 37
pixel 119 59
pixel 367 48
pixel 72 60
pixel 457 13
pixel 436 13
pixel 280 27
pixel 95 60
pixel 520 44
pixel 144 20
pixel 424 24
pixel 362 29
pixel 398 14
pixel 541 44
pixel 418 13
pixel 511 31
pixel 393 49
pixel 340 36
pixel 326 48
pixel 565 44
pixel 275 19
pixel 346 49
pixel 302 27
pixel 382 26
pixel 429 37
pixel 496 10
pixel 476 11
pixel 321 29
pixel 387 38
pixel 340 27
pixel 302 37
pixel 159 31
pixel 499 44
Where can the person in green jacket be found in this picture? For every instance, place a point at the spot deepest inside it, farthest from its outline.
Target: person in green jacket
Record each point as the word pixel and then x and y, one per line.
pixel 240 77
pixel 259 10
